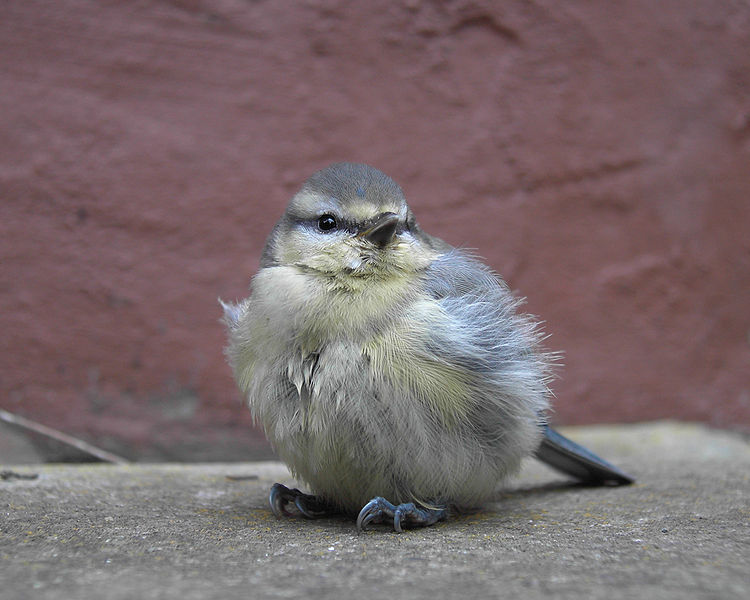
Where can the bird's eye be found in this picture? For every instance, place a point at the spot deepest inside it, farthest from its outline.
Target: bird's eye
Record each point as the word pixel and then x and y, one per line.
pixel 326 222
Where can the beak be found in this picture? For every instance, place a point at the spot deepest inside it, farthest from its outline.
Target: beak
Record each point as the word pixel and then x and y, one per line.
pixel 382 231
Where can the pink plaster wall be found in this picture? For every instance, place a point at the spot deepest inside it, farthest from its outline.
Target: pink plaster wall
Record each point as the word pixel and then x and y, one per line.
pixel 597 154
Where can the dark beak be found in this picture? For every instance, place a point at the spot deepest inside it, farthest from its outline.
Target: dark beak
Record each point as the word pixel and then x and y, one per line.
pixel 382 231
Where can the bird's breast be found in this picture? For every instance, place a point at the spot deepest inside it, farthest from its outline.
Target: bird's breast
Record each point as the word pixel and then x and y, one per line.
pixel 311 310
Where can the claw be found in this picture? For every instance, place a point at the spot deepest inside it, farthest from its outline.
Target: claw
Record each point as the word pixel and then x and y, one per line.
pixel 373 512
pixel 378 508
pixel 278 498
pixel 374 517
pixel 309 506
pixel 397 521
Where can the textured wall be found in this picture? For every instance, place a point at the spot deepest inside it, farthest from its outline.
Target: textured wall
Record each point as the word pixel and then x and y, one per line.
pixel 597 154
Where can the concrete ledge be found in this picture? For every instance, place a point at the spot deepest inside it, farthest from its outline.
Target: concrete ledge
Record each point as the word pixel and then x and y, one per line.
pixel 204 531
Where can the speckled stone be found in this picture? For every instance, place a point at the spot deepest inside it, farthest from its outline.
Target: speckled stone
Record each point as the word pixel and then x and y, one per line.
pixel 205 531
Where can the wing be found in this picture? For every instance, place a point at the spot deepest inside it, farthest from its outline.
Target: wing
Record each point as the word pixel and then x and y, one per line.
pixel 505 346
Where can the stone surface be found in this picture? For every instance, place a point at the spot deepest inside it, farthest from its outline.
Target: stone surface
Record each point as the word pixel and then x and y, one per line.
pixel 189 531
pixel 596 155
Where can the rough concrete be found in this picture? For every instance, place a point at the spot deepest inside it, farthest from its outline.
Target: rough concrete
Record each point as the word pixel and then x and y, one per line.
pixel 596 155
pixel 191 532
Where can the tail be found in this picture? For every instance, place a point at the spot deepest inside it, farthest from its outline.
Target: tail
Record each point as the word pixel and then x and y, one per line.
pixel 565 455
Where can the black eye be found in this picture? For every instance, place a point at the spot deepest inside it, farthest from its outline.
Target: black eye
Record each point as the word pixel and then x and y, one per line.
pixel 326 222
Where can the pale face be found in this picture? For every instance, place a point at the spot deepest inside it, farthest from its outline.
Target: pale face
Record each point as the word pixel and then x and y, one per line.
pixel 326 236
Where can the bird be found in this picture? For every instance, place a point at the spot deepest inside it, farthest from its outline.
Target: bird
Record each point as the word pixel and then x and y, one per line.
pixel 394 374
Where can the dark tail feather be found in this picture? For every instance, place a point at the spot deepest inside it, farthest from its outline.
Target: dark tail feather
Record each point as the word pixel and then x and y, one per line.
pixel 565 455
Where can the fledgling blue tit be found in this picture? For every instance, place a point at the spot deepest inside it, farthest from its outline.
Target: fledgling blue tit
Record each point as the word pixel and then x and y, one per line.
pixel 392 372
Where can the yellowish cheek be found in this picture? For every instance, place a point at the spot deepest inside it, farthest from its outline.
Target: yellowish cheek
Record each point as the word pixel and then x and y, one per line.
pixel 412 256
pixel 290 248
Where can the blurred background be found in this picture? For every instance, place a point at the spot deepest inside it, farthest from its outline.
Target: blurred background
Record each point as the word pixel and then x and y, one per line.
pixel 596 154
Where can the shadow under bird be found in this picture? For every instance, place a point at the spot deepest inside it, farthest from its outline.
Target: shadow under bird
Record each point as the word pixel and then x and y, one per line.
pixel 392 372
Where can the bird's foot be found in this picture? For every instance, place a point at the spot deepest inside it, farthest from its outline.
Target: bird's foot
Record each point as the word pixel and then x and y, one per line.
pixel 310 506
pixel 379 509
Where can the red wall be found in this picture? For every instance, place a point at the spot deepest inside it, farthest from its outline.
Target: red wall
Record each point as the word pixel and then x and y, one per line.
pixel 597 154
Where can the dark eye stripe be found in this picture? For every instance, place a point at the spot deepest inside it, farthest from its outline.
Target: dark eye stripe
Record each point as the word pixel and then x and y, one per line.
pixel 330 223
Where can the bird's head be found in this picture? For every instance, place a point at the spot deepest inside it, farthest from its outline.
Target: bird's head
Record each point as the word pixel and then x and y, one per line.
pixel 350 222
